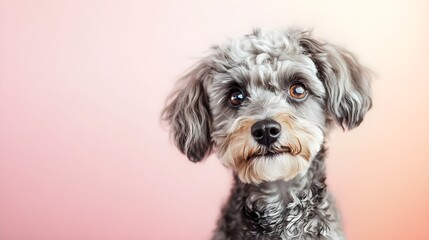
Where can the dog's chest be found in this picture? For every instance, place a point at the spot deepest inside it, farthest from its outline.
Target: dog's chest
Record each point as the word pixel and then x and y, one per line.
pixel 265 210
pixel 271 212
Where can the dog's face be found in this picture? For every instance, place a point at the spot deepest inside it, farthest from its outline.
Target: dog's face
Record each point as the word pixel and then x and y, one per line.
pixel 265 103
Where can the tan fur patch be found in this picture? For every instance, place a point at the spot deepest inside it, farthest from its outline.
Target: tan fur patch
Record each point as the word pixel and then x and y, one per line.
pixel 237 147
pixel 297 143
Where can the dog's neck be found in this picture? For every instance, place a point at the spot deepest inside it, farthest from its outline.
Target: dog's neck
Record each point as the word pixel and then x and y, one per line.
pixel 271 207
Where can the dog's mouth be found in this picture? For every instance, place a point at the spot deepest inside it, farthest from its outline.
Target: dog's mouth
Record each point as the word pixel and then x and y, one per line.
pixel 270 153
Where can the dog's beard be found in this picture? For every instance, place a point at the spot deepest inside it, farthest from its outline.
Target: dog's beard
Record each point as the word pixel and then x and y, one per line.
pixel 298 143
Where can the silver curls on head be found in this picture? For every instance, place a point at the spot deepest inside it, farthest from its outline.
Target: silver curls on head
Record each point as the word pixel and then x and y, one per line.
pixel 187 112
pixel 347 82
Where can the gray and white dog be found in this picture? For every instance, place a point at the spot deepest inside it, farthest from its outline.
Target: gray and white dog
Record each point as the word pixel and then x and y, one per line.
pixel 265 104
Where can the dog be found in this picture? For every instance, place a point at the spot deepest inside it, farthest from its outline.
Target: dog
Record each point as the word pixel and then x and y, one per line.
pixel 264 103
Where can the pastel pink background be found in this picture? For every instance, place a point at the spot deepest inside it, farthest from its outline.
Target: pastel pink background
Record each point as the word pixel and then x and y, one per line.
pixel 82 83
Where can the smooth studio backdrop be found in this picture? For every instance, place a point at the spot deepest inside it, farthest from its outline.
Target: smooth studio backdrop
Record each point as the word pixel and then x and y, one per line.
pixel 82 83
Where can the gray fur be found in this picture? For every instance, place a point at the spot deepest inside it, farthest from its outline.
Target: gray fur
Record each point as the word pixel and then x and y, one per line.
pixel 282 196
pixel 189 116
pixel 347 82
pixel 297 209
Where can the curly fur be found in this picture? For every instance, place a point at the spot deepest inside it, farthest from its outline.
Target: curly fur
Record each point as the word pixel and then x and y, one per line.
pixel 279 190
pixel 298 209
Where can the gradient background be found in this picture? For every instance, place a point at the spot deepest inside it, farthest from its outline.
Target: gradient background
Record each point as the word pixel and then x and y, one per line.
pixel 82 83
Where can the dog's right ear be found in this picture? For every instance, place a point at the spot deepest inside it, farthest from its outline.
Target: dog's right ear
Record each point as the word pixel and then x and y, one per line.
pixel 188 114
pixel 347 82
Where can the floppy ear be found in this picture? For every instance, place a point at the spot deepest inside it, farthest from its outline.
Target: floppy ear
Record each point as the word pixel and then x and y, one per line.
pixel 347 82
pixel 187 112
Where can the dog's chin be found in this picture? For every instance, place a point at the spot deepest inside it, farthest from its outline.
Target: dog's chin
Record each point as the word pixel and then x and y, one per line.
pixel 272 167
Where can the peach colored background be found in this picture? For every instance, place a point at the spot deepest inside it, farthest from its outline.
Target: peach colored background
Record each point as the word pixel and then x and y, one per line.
pixel 82 83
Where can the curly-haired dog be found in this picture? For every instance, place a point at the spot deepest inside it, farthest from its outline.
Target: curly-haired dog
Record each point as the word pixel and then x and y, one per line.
pixel 265 103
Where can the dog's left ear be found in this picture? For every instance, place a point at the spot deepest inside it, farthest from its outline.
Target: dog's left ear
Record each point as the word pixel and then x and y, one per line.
pixel 347 82
pixel 188 114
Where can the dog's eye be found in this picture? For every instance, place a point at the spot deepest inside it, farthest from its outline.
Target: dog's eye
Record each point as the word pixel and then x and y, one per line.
pixel 236 98
pixel 298 91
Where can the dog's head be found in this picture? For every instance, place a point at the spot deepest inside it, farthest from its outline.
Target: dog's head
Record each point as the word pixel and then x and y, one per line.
pixel 265 102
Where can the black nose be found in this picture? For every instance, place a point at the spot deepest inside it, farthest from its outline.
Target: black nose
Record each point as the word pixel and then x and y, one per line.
pixel 266 131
